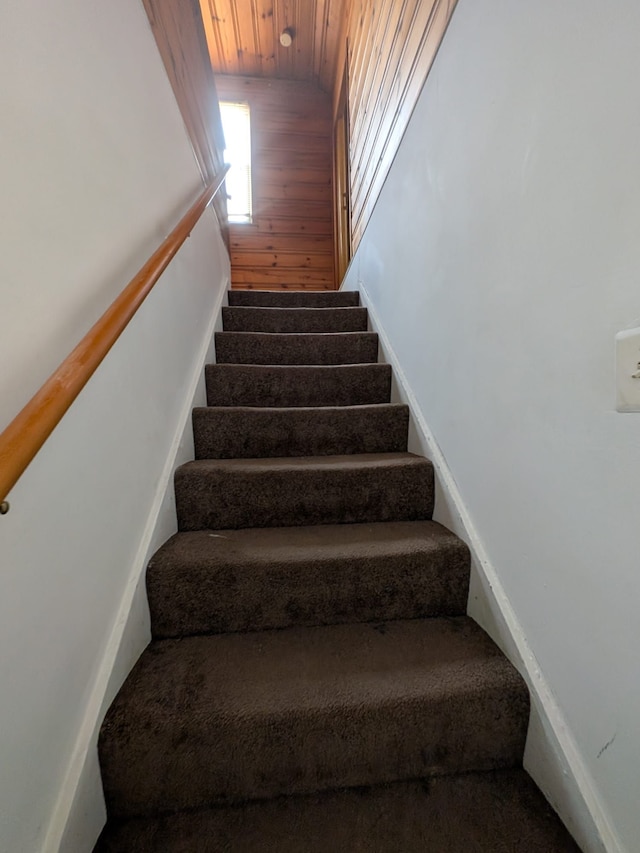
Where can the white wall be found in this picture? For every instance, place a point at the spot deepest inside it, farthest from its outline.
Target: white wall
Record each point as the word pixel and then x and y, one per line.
pixel 502 258
pixel 95 169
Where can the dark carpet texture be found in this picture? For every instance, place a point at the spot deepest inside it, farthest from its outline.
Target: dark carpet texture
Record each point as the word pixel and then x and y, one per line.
pixel 264 348
pixel 219 493
pixel 292 386
pixel 294 299
pixel 291 320
pixel 248 580
pixel 495 812
pixel 232 717
pixel 313 683
pixel 245 432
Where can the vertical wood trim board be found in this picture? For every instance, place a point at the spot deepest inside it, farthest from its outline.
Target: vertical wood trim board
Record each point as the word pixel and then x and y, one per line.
pixel 392 45
pixel 289 244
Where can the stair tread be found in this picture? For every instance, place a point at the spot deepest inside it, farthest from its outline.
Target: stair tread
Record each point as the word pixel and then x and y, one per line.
pixel 241 318
pixel 493 812
pixel 304 336
pixel 321 411
pixel 322 542
pixel 321 299
pixel 351 461
pixel 238 580
pixel 236 716
pixel 298 385
pixel 296 347
pixel 294 311
pixel 243 431
pixel 302 490
pixel 301 669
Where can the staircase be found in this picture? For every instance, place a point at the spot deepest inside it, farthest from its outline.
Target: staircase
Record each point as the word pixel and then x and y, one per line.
pixel 313 683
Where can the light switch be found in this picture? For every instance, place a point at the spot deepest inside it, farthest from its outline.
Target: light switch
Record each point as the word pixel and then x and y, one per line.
pixel 628 371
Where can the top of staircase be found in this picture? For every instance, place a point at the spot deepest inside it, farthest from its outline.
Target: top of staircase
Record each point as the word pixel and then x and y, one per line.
pixel 295 298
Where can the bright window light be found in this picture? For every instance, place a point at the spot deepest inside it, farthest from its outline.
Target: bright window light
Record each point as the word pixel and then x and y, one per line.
pixel 237 135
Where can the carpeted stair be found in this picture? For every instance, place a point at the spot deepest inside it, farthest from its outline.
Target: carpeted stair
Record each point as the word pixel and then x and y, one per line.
pixel 313 683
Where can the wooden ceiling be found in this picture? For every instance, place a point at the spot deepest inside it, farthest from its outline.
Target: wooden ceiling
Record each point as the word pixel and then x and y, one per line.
pixel 244 38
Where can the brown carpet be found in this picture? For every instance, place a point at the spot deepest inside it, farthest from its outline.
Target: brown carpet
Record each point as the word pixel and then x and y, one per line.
pixel 208 582
pixel 275 385
pixel 476 813
pixel 293 320
pixel 294 298
pixel 245 432
pixel 265 348
pixel 232 717
pixel 358 488
pixel 311 655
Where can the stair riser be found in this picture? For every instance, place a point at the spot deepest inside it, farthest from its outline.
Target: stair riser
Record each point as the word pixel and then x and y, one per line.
pixel 250 434
pixel 216 499
pixel 352 385
pixel 261 348
pixel 447 814
pixel 233 596
pixel 292 320
pixel 233 760
pixel 294 299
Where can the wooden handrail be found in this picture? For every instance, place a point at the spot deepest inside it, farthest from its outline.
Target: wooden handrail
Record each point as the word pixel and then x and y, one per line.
pixel 29 430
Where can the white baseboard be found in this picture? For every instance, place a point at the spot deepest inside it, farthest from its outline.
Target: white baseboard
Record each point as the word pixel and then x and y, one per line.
pixel 79 813
pixel 552 757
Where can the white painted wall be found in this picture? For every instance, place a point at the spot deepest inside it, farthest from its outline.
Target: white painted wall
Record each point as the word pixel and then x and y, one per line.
pixel 95 169
pixel 501 260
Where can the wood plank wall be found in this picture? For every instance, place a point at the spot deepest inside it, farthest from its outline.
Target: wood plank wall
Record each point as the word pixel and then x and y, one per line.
pixel 244 38
pixel 178 30
pixel 391 47
pixel 289 244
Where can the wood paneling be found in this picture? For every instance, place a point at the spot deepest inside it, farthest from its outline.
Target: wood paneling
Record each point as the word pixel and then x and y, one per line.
pixel 270 225
pixel 177 29
pixel 258 241
pixel 289 244
pixel 391 47
pixel 388 47
pixel 299 260
pixel 273 279
pixel 243 38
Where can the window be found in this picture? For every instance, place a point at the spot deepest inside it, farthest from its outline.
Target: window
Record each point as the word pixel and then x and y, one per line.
pixel 237 135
